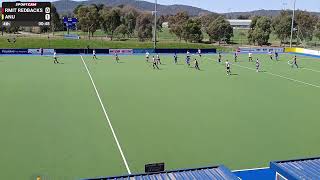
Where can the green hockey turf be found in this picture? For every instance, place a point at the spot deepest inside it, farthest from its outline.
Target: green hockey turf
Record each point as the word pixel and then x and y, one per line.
pixel 52 123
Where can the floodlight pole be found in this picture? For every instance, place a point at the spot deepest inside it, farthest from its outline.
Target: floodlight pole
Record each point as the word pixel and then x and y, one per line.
pixel 155 26
pixel 292 22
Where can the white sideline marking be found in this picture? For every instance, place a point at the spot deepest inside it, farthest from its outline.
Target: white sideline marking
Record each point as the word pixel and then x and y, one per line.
pixel 302 82
pixel 311 70
pixel 107 117
pixel 250 169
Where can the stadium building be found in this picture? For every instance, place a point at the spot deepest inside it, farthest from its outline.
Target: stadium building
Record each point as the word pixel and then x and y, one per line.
pixel 240 24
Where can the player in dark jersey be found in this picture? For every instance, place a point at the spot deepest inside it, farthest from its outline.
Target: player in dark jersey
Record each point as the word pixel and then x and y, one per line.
pixel 257 65
pixel 294 62
pixel 196 64
pixel 276 54
pixel 219 58
pixel 188 60
pixel 175 57
pixel 155 63
pixel 116 57
pixel 235 57
pixel 228 68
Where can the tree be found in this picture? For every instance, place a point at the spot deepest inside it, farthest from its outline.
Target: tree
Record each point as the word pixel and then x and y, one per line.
pixel 121 30
pixel 281 26
pixel 56 22
pixel 99 7
pixel 76 9
pixel 177 23
pixel 243 17
pixel 305 25
pixel 88 17
pixel 206 19
pixel 317 30
pixel 260 30
pixel 129 19
pixel 254 21
pixel 192 31
pixel 220 29
pixel 144 26
pixel 111 20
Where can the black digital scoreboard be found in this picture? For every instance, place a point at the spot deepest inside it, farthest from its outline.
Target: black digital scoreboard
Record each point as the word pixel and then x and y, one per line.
pixel 26 14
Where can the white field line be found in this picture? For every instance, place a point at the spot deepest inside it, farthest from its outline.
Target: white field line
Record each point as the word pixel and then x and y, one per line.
pixel 107 117
pixel 311 70
pixel 290 79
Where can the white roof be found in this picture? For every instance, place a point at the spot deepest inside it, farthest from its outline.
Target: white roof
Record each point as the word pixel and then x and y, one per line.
pixel 240 22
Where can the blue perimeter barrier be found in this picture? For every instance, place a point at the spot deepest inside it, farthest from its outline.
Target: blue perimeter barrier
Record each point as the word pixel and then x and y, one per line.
pixel 103 51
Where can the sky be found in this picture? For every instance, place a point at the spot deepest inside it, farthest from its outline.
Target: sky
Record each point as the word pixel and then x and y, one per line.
pixel 222 6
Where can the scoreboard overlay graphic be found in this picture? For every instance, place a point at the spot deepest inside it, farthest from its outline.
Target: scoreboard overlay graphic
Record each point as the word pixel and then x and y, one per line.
pixel 26 14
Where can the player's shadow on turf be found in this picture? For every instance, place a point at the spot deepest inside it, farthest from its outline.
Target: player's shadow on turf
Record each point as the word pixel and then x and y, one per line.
pixel 263 71
pixel 120 62
pixel 234 74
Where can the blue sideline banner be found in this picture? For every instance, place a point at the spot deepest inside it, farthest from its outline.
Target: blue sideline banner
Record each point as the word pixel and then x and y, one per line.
pixel 171 51
pixel 14 51
pixel 138 51
pixel 81 51
pixel 260 50
pixel 41 51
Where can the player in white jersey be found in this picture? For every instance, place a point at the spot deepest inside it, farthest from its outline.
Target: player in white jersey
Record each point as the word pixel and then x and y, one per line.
pixel 250 57
pixel 147 56
pixel 199 52
pixel 158 59
pixel 228 68
pixel 188 54
pixel 155 63
pixel 271 55
pixel 55 58
pixel 257 65
pixel 94 56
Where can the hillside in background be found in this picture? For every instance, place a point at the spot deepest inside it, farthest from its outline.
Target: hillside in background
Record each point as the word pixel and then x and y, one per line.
pixel 64 6
pixel 262 12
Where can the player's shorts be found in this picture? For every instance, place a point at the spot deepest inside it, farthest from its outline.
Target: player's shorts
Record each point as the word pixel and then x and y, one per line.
pixel 228 68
